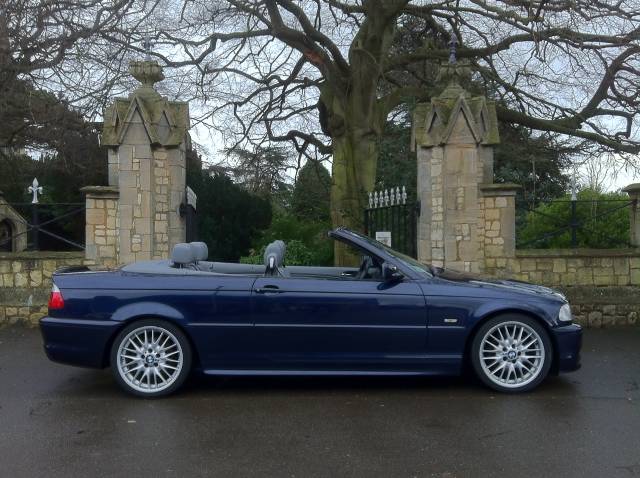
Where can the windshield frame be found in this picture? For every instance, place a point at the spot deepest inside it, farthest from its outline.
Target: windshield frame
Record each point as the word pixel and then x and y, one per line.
pixel 406 262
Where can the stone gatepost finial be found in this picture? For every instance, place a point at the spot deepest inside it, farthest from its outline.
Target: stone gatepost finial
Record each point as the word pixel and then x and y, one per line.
pixel 147 72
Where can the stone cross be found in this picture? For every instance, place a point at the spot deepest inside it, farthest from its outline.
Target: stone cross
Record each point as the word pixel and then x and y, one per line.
pixel 35 189
pixel 453 45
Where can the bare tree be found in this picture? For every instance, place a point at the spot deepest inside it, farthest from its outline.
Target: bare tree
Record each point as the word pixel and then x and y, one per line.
pixel 327 74
pixel 37 39
pixel 596 173
pixel 261 171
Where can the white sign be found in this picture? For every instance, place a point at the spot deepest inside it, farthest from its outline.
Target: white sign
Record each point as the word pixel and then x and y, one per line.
pixel 384 237
pixel 191 197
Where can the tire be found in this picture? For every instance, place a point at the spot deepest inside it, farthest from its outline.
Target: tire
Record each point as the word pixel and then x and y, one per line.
pixel 151 358
pixel 507 360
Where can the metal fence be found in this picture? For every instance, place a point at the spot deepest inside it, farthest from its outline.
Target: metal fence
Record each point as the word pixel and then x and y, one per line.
pixel 573 223
pixel 391 219
pixel 50 226
pixel 40 226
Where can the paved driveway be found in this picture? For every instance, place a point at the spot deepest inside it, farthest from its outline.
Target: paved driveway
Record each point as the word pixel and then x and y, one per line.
pixel 63 421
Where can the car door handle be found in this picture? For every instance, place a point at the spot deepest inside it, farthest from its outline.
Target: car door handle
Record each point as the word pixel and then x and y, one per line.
pixel 268 289
pixel 349 273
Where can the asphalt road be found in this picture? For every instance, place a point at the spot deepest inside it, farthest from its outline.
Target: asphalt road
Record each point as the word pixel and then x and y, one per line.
pixel 63 421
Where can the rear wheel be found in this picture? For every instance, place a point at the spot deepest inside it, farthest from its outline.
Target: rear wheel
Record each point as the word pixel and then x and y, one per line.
pixel 511 353
pixel 151 358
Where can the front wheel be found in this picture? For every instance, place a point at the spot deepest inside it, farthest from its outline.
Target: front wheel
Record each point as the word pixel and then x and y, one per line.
pixel 511 353
pixel 150 358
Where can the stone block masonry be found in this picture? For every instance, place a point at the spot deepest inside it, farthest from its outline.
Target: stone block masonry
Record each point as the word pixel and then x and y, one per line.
pixel 602 285
pixel 25 283
pixel 137 217
pixel 453 135
pixel 467 223
pixel 102 224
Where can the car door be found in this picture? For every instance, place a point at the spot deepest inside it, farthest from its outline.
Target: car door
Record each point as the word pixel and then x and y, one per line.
pixel 219 318
pixel 332 324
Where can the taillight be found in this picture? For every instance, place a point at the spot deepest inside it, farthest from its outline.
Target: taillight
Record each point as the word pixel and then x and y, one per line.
pixel 56 301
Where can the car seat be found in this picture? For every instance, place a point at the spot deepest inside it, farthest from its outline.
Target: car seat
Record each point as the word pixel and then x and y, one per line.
pixel 274 260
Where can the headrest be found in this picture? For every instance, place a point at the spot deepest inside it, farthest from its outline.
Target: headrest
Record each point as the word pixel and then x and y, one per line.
pixel 200 250
pixel 275 251
pixel 182 254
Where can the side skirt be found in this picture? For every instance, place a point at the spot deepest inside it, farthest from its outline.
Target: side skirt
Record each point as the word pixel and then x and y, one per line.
pixel 454 370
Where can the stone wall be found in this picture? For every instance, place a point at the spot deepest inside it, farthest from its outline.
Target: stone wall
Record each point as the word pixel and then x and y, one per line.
pixel 604 306
pixel 497 226
pixel 602 285
pixel 102 222
pixel 571 267
pixel 25 283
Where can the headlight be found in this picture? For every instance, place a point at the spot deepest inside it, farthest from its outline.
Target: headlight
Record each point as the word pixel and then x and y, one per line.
pixel 565 313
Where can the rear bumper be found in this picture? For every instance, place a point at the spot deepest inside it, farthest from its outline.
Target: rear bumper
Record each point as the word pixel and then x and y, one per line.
pixel 77 342
pixel 568 341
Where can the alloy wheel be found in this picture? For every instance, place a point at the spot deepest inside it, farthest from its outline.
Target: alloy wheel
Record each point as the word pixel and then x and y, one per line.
pixel 150 359
pixel 512 354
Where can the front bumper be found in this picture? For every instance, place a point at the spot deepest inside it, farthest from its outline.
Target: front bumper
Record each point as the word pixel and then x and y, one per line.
pixel 568 342
pixel 78 342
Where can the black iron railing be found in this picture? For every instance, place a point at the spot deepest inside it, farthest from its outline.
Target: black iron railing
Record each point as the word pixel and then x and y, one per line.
pixel 391 219
pixel 566 223
pixel 49 226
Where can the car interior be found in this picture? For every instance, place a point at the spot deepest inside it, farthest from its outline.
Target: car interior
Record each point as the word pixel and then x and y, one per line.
pixel 191 259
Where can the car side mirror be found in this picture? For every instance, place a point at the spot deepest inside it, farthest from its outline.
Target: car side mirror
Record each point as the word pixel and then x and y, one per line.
pixel 390 273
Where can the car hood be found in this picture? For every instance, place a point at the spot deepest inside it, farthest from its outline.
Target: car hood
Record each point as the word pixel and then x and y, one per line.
pixel 492 282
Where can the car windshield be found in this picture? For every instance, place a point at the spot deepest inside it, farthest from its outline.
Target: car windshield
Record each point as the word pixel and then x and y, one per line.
pixel 406 260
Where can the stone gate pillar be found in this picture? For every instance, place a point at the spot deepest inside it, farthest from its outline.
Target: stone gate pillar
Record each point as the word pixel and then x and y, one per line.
pixel 454 135
pixel 633 190
pixel 145 134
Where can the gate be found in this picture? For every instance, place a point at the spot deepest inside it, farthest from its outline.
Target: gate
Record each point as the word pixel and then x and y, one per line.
pixel 392 220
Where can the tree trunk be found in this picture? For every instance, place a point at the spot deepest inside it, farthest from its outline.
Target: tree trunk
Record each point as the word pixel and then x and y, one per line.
pixel 355 120
pixel 355 157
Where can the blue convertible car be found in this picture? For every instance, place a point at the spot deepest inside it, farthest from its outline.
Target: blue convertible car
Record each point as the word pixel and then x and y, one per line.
pixel 155 321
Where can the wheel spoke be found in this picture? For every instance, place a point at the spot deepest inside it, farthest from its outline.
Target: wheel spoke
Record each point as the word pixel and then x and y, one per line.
pixel 497 342
pixel 161 373
pixel 486 359
pixel 137 345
